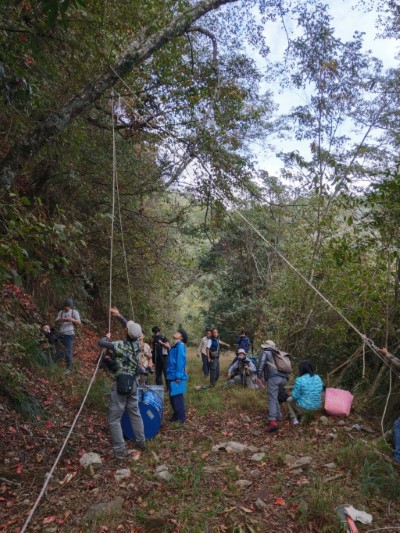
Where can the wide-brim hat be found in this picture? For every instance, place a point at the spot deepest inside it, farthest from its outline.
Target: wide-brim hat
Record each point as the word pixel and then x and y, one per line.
pixel 241 351
pixel 268 344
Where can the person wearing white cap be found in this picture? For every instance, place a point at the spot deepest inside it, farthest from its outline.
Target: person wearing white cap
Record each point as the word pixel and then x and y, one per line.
pixel 242 371
pixel 123 397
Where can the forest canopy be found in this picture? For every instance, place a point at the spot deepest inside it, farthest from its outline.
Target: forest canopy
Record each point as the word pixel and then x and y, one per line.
pixel 190 91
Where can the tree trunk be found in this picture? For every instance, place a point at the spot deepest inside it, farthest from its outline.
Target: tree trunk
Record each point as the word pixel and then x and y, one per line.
pixel 132 56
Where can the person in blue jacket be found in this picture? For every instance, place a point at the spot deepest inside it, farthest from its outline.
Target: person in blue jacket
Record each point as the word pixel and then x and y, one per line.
pixel 307 392
pixel 176 364
pixel 243 342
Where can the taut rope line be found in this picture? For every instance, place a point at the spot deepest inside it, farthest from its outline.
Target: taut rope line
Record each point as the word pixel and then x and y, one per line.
pixel 50 474
pixel 364 338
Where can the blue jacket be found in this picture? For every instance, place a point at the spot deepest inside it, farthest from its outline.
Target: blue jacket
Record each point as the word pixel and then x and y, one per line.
pixel 244 343
pixel 176 362
pixel 307 392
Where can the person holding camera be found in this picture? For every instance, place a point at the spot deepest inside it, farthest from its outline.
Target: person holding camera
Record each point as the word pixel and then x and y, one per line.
pixel 68 319
pixel 124 395
pixel 242 371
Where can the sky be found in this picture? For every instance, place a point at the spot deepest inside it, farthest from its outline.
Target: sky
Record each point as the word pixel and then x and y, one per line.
pixel 346 19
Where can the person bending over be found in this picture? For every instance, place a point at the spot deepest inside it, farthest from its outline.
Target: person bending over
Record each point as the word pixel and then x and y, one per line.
pixel 275 380
pixel 306 394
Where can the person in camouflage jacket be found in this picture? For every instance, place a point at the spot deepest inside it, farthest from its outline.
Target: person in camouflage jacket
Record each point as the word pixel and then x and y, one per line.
pixel 126 354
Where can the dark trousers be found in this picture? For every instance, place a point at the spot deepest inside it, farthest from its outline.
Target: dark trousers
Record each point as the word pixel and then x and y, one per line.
pixel 214 370
pixel 68 342
pixel 206 364
pixel 178 407
pixel 161 368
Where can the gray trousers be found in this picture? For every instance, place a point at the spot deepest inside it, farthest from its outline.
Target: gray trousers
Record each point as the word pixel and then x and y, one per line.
pixel 118 404
pixel 274 410
pixel 237 380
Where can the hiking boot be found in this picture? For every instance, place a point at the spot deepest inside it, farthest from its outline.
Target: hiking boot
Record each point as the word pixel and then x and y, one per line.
pixel 294 421
pixel 142 445
pixel 120 455
pixel 272 426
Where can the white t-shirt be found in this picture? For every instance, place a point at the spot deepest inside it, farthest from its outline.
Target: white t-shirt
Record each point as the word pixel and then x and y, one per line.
pixel 67 328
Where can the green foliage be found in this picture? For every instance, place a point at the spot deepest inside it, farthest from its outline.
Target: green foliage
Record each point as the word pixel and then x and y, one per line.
pixel 14 387
pixel 378 478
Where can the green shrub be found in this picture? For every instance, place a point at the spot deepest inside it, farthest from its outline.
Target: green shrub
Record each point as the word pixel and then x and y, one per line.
pixel 13 386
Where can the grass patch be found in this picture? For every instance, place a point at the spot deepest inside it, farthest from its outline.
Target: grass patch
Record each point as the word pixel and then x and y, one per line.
pixel 14 386
pixel 378 478
pixel 318 505
pixel 99 394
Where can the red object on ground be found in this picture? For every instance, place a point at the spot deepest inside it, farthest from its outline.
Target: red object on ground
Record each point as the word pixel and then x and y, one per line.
pixel 272 426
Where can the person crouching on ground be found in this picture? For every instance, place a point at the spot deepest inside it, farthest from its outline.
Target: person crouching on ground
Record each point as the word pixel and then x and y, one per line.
pixel 242 371
pixel 176 365
pixel 124 394
pixel 275 380
pixel 306 394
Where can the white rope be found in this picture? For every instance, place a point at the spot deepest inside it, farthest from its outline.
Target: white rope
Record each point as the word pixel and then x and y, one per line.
pixel 364 338
pixel 386 406
pixel 50 474
pixel 114 179
pixel 124 252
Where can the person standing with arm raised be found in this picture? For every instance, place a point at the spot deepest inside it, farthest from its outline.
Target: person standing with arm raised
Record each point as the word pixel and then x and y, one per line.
pixel 124 396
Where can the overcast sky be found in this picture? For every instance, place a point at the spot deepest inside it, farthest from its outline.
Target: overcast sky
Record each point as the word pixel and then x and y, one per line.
pixel 346 19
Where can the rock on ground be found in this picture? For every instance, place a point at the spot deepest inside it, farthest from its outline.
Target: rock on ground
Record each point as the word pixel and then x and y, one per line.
pixel 164 475
pixel 243 483
pixel 230 447
pixel 90 458
pixel 99 509
pixel 260 504
pixel 257 457
pixel 302 462
pixel 124 473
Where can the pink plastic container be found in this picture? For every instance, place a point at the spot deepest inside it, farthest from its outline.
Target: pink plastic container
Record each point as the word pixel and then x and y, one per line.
pixel 338 402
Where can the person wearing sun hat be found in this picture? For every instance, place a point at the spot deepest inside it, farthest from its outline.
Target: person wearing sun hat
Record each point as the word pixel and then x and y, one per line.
pixel 124 395
pixel 242 364
pixel 176 372
pixel 275 381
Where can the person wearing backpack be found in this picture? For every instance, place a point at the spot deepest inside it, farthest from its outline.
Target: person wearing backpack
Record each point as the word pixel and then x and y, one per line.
pixel 68 319
pixel 124 394
pixel 307 392
pixel 213 348
pixel 275 366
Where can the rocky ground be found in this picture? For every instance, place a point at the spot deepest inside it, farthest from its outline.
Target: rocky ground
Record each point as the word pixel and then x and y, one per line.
pixel 220 472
